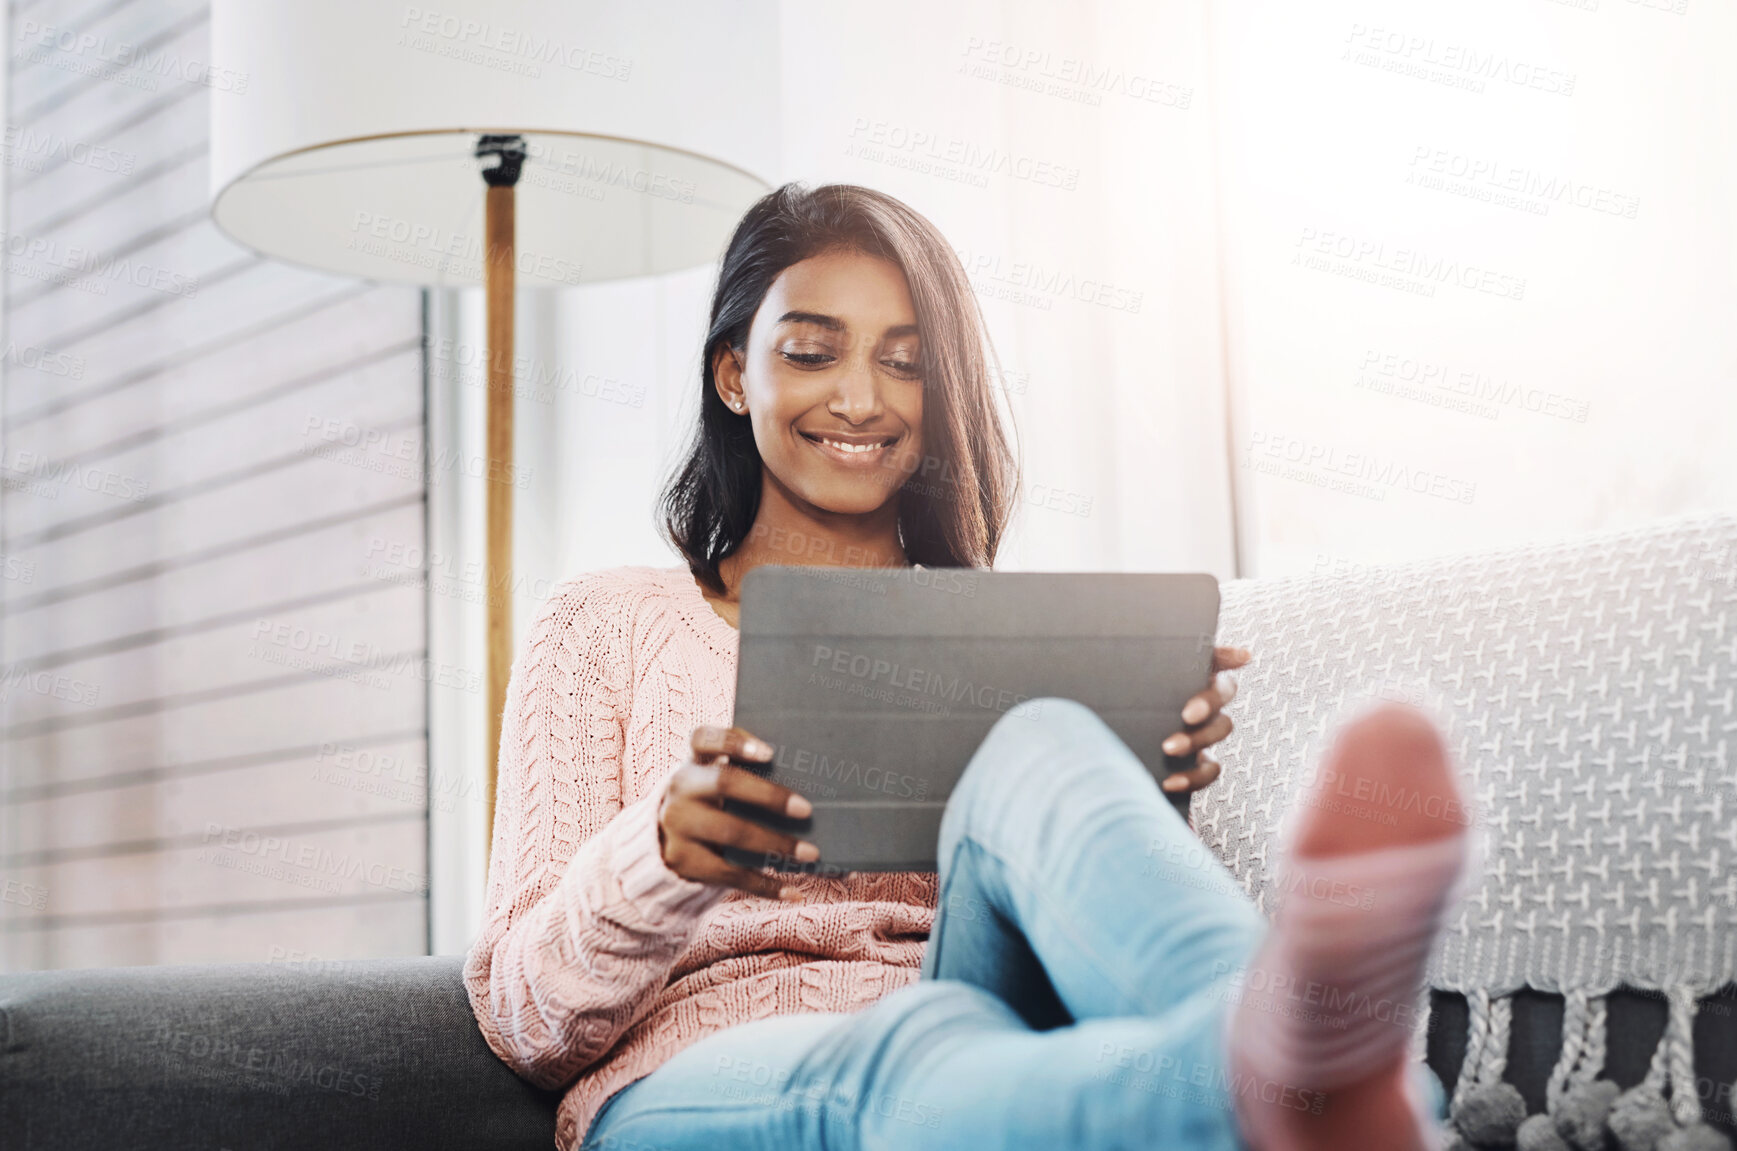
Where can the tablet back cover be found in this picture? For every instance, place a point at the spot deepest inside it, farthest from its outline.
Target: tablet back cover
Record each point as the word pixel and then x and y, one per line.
pixel 876 685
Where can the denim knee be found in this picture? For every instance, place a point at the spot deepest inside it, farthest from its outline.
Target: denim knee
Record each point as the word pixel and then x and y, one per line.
pixel 1028 748
pixel 1031 753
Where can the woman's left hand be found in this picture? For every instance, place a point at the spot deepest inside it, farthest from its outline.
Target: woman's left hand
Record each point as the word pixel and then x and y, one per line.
pixel 1207 723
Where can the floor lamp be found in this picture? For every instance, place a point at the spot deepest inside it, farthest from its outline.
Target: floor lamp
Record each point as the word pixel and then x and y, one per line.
pixel 549 143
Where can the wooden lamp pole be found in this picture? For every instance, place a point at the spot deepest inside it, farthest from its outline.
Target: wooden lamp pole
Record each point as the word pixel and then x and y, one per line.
pixel 498 269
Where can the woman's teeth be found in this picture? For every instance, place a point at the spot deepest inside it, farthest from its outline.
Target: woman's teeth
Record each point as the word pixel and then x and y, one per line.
pixel 844 447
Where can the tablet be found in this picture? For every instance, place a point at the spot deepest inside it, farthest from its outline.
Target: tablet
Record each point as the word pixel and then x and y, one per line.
pixel 876 685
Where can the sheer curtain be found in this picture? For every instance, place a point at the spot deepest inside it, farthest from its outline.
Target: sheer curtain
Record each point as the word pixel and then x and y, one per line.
pixel 1065 153
pixel 1481 270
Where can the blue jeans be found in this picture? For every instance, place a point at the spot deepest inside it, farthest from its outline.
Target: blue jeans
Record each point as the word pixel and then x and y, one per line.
pixel 1074 988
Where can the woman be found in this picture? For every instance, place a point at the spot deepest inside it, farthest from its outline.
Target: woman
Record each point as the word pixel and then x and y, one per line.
pixel 1058 984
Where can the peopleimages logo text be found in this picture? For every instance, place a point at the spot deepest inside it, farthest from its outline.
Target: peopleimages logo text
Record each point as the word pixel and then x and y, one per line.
pixel 1424 268
pixel 79 260
pixel 1464 61
pixel 138 58
pixel 524 44
pixel 873 669
pixel 1332 460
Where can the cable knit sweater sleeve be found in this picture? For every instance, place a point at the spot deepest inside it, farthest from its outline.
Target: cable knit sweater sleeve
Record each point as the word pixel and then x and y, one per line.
pixel 584 921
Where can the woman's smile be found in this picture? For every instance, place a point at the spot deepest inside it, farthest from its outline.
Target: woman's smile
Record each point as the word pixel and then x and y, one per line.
pixel 851 449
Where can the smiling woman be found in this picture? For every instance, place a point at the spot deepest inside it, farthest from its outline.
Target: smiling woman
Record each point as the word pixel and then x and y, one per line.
pixel 847 361
pixel 847 420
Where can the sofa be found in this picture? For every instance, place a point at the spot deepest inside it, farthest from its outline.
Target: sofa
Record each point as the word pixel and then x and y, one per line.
pixel 1628 1045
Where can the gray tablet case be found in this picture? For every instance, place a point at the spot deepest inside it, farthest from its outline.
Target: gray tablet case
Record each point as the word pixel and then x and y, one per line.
pixel 876 685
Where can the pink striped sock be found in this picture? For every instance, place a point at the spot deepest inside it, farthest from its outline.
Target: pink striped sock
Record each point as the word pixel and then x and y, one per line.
pixel 1331 997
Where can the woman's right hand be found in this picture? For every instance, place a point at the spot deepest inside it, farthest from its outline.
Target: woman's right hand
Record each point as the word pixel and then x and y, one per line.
pixel 692 824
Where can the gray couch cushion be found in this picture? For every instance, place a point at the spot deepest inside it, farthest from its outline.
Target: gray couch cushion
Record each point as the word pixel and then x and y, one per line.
pixel 376 1054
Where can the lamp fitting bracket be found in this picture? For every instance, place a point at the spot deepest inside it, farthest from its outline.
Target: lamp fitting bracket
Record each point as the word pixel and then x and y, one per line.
pixel 508 152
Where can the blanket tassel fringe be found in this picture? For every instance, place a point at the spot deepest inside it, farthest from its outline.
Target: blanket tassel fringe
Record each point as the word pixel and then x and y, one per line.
pixel 1582 1112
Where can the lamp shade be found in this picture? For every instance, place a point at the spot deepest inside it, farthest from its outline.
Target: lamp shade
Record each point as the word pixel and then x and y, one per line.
pixel 348 142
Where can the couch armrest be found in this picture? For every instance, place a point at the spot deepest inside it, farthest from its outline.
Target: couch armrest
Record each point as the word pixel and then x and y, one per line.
pixel 368 1054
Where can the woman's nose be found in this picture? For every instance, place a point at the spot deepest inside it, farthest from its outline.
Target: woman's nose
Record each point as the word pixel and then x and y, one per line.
pixel 859 393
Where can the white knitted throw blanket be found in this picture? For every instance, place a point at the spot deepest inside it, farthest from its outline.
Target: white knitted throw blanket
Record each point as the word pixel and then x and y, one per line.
pixel 1589 692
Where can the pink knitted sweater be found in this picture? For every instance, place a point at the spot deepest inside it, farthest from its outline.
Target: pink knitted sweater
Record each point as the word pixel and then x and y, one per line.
pixel 596 963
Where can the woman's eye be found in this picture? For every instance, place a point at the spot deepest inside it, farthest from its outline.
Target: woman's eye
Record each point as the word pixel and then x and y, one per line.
pixel 903 367
pixel 810 358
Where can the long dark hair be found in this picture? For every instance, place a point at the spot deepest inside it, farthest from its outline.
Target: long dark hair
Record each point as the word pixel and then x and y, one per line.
pixel 954 509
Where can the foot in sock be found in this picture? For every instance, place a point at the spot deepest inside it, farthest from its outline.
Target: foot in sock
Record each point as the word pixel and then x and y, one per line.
pixel 1327 1005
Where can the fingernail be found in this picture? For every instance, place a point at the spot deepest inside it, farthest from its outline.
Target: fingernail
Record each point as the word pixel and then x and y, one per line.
pixel 1195 711
pixel 1245 653
pixel 798 808
pixel 1174 783
pixel 806 851
pixel 790 895
pixel 1176 744
pixel 1225 683
pixel 759 749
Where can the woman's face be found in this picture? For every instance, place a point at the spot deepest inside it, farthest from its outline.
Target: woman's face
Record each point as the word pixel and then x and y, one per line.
pixel 831 378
